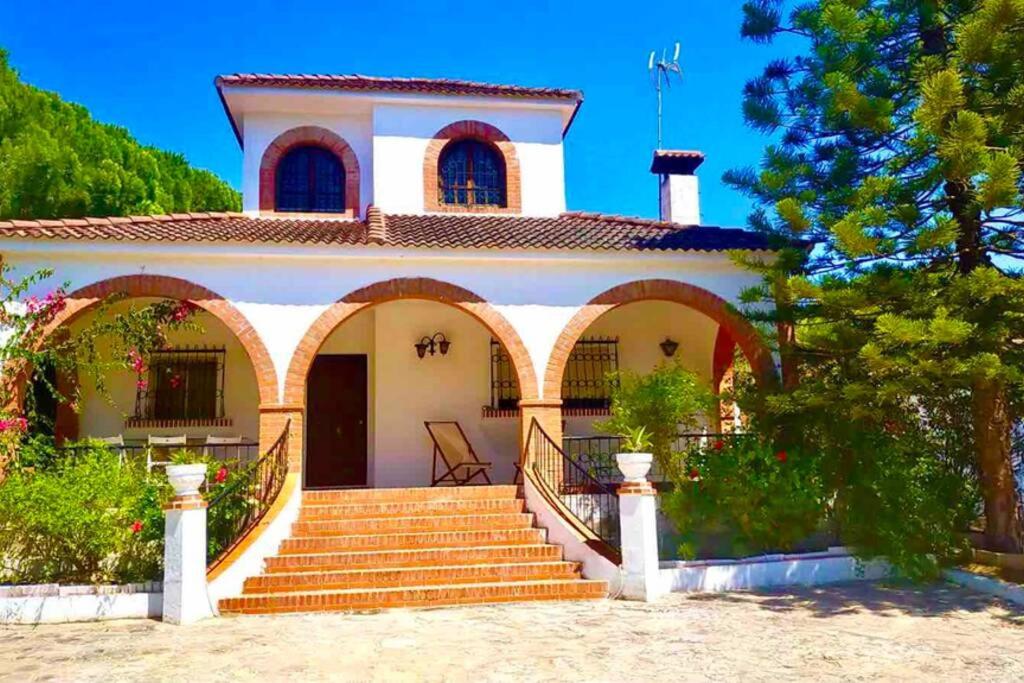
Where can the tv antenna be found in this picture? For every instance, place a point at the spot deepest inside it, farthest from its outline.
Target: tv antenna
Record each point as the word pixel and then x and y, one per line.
pixel 661 73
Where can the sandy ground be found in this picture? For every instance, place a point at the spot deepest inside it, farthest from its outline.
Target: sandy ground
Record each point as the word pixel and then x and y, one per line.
pixel 854 632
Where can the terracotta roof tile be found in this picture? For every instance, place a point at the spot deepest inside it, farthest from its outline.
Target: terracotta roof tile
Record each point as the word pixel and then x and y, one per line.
pixel 435 86
pixel 572 231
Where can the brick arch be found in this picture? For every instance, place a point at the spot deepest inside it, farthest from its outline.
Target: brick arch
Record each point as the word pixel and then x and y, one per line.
pixel 718 309
pixel 407 288
pixel 308 135
pixel 480 131
pixel 82 300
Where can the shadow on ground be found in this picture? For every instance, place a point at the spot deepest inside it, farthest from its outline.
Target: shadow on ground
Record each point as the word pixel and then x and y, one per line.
pixel 885 599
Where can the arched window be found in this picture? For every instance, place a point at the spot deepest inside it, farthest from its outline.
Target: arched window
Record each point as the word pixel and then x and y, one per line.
pixel 471 173
pixel 310 179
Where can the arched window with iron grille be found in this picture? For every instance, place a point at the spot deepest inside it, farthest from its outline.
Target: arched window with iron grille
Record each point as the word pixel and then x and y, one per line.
pixel 471 173
pixel 310 179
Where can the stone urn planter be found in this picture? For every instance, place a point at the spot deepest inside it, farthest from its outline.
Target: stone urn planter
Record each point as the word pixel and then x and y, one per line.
pixel 634 466
pixel 186 479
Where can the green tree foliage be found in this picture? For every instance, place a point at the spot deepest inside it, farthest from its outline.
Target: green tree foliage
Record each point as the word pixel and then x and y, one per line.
pixel 56 161
pixel 898 143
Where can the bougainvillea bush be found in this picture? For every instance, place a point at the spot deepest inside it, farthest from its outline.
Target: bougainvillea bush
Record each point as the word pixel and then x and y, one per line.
pixel 748 495
pixel 89 518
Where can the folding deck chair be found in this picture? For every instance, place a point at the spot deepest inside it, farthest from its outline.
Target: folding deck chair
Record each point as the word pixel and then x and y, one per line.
pixel 453 450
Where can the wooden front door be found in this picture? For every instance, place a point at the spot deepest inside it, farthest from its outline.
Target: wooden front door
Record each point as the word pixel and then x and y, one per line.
pixel 336 428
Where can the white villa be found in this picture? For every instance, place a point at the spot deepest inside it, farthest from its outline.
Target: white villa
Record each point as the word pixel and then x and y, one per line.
pixel 404 256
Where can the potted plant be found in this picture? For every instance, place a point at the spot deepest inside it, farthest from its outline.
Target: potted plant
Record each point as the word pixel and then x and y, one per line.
pixel 186 477
pixel 636 458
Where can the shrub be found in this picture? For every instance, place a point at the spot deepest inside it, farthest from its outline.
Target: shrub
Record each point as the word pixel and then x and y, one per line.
pixel 757 496
pixel 661 402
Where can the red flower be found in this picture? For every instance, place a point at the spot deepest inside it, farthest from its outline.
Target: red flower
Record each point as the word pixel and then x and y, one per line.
pixel 142 384
pixel 175 381
pixel 221 476
pixel 694 474
pixel 718 445
pixel 136 526
pixel 781 456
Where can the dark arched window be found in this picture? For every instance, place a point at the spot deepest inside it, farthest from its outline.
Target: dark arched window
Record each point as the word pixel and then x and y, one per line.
pixel 310 179
pixel 471 173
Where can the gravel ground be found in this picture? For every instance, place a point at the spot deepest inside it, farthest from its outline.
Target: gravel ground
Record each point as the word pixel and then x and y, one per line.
pixel 852 632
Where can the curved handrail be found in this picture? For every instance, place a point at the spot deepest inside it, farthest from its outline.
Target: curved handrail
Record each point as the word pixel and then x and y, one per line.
pixel 257 488
pixel 593 504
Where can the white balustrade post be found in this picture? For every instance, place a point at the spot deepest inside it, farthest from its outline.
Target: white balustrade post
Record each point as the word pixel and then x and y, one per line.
pixel 638 525
pixel 185 597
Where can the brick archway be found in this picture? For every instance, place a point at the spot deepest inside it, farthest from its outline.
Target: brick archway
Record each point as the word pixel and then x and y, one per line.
pixel 308 135
pixel 82 300
pixel 406 288
pixel 480 131
pixel 718 309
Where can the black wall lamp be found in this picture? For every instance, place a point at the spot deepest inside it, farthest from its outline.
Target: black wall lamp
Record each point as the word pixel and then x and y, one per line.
pixel 433 344
pixel 669 347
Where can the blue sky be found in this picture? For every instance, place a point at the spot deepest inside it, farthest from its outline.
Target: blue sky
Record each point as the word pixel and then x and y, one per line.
pixel 151 68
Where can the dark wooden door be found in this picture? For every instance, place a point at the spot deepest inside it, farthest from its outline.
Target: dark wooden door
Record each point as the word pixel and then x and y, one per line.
pixel 336 429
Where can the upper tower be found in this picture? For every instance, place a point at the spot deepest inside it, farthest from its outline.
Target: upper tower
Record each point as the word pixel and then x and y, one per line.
pixel 331 145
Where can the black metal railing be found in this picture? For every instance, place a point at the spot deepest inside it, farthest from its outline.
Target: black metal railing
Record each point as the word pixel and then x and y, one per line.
pixel 596 454
pixel 185 383
pixel 594 503
pixel 244 502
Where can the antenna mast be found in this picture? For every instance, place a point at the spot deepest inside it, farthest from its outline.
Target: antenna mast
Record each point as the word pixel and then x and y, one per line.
pixel 661 72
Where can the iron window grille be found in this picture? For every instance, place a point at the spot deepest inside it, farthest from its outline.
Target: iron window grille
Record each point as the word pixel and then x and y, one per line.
pixel 312 180
pixel 472 173
pixel 586 382
pixel 185 383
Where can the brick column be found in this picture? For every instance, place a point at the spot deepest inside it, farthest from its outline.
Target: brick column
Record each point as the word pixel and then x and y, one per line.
pixel 549 415
pixel 273 418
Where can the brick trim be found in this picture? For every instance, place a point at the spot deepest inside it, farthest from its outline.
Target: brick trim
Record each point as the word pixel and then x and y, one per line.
pixel 478 130
pixel 407 288
pixel 691 296
pixel 308 135
pixel 162 286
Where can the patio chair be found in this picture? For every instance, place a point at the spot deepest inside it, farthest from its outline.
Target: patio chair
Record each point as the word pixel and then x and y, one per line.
pixel 118 446
pixel 216 444
pixel 456 456
pixel 162 442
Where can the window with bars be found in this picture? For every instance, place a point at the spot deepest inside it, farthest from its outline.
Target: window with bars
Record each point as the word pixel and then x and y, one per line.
pixel 471 173
pixel 310 179
pixel 182 384
pixel 585 382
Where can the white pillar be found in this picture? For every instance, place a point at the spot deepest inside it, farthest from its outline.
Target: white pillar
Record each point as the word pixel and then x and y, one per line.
pixel 185 597
pixel 638 525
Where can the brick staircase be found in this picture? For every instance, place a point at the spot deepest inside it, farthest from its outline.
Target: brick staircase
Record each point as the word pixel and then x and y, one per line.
pixel 375 548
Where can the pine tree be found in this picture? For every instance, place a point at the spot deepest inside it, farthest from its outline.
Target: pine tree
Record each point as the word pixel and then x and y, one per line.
pixel 57 162
pixel 898 146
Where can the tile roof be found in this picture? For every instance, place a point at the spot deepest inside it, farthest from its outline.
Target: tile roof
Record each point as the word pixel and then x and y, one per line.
pixel 569 231
pixel 436 86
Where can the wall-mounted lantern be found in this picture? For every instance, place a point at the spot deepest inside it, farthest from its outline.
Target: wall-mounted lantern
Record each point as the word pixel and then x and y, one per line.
pixel 433 344
pixel 669 347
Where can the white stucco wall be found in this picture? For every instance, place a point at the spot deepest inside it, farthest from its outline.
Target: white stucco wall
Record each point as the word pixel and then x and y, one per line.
pixel 404 391
pixel 402 132
pixel 102 416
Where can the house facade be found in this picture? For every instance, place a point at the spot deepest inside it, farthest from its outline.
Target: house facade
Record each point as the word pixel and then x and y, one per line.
pixel 404 255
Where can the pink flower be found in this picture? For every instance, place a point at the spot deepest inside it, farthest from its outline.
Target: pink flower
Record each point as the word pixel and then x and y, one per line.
pixel 136 361
pixel 182 311
pixel 17 424
pixel 781 456
pixel 221 476
pixel 175 381
pixel 136 526
pixel 142 383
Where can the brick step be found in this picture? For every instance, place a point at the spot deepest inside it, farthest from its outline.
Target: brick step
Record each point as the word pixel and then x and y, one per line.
pixel 310 512
pixel 352 496
pixel 421 596
pixel 426 557
pixel 398 541
pixel 410 576
pixel 384 525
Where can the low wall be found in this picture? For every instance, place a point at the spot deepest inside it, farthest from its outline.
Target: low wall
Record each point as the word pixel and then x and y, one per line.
pixel 56 604
pixel 1011 592
pixel 835 565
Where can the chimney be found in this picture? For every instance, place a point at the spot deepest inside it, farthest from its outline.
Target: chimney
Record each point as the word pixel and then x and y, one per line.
pixel 677 185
